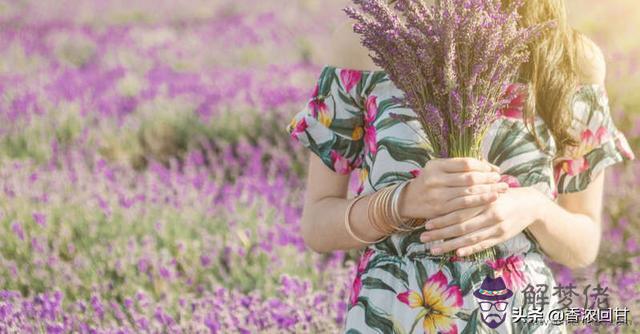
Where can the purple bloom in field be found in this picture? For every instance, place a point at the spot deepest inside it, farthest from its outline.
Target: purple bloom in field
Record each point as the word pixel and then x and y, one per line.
pixel 205 260
pixel 212 323
pixel 17 229
pixel 36 245
pixel 164 272
pixel 40 218
pixel 143 265
pixel 97 306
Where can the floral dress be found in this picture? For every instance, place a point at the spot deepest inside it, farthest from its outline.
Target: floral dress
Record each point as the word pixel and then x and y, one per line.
pixel 354 120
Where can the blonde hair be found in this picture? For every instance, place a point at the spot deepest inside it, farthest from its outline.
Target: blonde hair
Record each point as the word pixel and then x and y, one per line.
pixel 552 70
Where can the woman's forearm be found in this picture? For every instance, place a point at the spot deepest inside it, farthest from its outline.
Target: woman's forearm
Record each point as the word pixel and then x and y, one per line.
pixel 572 239
pixel 323 227
pixel 442 186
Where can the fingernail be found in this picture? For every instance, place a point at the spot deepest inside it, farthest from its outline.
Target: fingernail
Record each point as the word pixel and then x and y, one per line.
pixel 461 252
pixel 435 251
pixel 428 226
pixel 424 237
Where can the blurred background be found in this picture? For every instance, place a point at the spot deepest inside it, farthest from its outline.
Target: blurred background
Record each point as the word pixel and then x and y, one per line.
pixel 147 182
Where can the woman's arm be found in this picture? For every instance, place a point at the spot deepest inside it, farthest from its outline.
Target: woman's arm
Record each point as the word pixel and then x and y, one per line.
pixel 444 185
pixel 570 231
pixel 323 214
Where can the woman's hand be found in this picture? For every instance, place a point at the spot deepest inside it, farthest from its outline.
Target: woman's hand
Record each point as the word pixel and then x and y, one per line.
pixel 448 185
pixel 473 230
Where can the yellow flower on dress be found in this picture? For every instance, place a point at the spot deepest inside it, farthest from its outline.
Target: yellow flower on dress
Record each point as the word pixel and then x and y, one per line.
pixel 357 133
pixel 364 174
pixel 439 302
pixel 325 118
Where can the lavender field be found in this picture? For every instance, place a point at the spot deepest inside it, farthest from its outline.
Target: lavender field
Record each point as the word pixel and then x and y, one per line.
pixel 147 183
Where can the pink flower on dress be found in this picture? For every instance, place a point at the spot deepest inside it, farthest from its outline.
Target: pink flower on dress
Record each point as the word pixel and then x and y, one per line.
pixel 340 164
pixel 357 282
pixel 591 139
pixel 511 269
pixel 319 109
pixel 572 166
pixel 371 110
pixel 298 128
pixel 415 172
pixel 512 181
pixel 370 139
pixel 516 106
pixel 350 78
pixel 438 301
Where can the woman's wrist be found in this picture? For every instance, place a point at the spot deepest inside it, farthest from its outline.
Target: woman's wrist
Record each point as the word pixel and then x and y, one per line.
pixel 404 205
pixel 383 213
pixel 538 207
pixel 364 229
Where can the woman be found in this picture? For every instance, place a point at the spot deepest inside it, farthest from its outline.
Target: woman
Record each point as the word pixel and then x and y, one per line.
pixel 536 193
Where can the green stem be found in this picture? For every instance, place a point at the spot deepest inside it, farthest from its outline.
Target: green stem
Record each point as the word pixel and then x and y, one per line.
pixel 420 316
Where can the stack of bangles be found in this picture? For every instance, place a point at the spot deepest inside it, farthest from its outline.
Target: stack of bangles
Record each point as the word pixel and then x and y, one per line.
pixel 384 214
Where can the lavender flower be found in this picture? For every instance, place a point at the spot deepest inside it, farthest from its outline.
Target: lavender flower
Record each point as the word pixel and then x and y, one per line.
pixel 451 60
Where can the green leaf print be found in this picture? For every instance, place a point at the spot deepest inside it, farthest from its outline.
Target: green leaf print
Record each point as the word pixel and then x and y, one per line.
pixel 344 127
pixel 347 99
pixel 472 323
pixel 454 272
pixel 387 247
pixel 474 274
pixel 386 123
pixel 376 79
pixel 531 172
pixel 395 271
pixel 393 177
pixel 374 317
pixel 376 283
pixel 421 273
pixel 512 139
pixel 350 149
pixel 401 150
pixel 325 81
pixel 410 239
pixel 384 106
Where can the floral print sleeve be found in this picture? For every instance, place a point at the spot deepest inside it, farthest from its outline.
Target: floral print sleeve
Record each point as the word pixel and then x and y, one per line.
pixel 601 143
pixel 331 123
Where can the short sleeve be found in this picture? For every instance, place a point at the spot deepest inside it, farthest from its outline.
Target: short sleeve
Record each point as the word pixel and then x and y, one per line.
pixel 331 122
pixel 601 144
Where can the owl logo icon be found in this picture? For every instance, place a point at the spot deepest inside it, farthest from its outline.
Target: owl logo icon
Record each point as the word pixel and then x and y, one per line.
pixel 493 299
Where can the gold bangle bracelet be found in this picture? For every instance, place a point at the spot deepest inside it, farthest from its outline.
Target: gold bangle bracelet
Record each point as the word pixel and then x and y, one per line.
pixel 347 223
pixel 400 225
pixel 377 212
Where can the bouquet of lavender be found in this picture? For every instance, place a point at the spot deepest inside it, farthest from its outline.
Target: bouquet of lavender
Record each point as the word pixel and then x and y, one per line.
pixel 453 60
